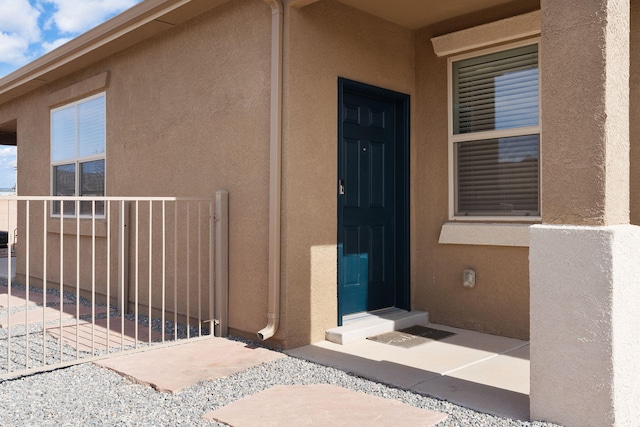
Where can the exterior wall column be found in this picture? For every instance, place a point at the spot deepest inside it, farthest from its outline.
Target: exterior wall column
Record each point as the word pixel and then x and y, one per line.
pixel 585 335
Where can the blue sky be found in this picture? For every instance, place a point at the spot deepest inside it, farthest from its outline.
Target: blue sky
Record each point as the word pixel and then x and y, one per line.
pixel 31 28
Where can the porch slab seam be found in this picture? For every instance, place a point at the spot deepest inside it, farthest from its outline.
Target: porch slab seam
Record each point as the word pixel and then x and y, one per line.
pixel 479 361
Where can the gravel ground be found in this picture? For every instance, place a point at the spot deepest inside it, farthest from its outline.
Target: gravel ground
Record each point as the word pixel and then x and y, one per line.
pixel 88 395
pixel 33 342
pixel 85 395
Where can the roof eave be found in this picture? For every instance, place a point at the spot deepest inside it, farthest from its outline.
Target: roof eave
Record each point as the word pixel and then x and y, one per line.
pixel 142 21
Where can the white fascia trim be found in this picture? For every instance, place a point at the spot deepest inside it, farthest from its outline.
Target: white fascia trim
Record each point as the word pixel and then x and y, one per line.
pixel 505 30
pixel 485 234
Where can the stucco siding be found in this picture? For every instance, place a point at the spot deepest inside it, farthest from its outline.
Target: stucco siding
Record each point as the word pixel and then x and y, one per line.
pixel 499 303
pixel 201 104
pixel 187 115
pixel 323 42
pixel 634 112
pixel 329 40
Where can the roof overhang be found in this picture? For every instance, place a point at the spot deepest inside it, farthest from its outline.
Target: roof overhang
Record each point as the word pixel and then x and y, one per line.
pixel 142 21
pixel 151 17
pixel 415 14
pixel 8 138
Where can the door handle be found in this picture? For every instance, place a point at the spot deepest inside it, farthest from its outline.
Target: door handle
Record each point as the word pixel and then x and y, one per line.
pixel 341 186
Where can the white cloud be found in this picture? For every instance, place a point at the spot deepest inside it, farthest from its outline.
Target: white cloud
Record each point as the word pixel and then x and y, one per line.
pixel 7 162
pixel 75 17
pixel 7 155
pixel 30 28
pixel 18 29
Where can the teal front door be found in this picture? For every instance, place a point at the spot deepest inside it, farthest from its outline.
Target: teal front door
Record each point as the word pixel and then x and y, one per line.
pixel 372 199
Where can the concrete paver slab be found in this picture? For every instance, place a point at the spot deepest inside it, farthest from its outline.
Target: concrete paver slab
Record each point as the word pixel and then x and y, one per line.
pixel 89 337
pixel 321 405
pixel 34 299
pixel 173 368
pixel 19 298
pixel 50 313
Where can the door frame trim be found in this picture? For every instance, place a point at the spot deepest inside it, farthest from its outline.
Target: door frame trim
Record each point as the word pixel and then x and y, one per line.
pixel 402 180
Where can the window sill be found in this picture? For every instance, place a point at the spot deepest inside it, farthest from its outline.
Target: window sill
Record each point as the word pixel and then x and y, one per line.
pixel 485 234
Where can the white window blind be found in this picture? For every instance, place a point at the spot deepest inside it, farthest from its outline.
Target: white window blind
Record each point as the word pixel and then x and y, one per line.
pixel 63 134
pixel 91 127
pixel 78 134
pixel 496 93
pixel 498 176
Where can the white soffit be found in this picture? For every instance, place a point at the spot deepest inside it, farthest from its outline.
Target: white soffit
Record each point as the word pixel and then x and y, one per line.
pixel 485 234
pixel 414 14
pixel 505 30
pixel 299 4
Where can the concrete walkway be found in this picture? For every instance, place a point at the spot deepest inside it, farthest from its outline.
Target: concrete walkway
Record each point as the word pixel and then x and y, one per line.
pixel 484 372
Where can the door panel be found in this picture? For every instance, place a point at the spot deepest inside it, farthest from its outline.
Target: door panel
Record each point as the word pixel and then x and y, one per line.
pixel 366 216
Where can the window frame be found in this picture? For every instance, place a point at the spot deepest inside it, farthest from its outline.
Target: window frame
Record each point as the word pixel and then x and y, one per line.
pixel 453 139
pixel 77 161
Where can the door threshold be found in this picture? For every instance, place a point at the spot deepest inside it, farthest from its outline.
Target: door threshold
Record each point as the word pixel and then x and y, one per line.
pixel 364 315
pixel 359 326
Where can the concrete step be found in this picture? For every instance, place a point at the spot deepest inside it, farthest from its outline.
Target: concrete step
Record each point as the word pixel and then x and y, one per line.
pixel 366 325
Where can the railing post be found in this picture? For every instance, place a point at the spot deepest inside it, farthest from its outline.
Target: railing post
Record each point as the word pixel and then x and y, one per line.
pixel 123 258
pixel 222 264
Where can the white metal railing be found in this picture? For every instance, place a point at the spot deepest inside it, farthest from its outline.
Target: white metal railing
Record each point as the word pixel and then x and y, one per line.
pixel 124 274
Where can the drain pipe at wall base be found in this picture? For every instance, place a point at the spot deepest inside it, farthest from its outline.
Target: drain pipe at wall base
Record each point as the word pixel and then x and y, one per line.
pixel 275 170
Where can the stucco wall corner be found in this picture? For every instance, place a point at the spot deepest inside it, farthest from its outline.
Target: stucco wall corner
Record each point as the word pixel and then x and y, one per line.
pixel 626 329
pixel 584 341
pixel 585 111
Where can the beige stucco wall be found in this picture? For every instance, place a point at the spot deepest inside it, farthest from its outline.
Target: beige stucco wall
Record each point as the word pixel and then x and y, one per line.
pixel 591 136
pixel 201 124
pixel 499 303
pixel 329 40
pixel 634 112
pixel 324 41
pixel 187 115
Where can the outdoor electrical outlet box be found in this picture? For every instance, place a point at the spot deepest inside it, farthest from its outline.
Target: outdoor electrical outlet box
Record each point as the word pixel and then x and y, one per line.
pixel 469 278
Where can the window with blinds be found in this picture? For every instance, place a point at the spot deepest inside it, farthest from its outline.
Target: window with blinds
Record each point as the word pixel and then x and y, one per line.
pixel 78 135
pixel 495 133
